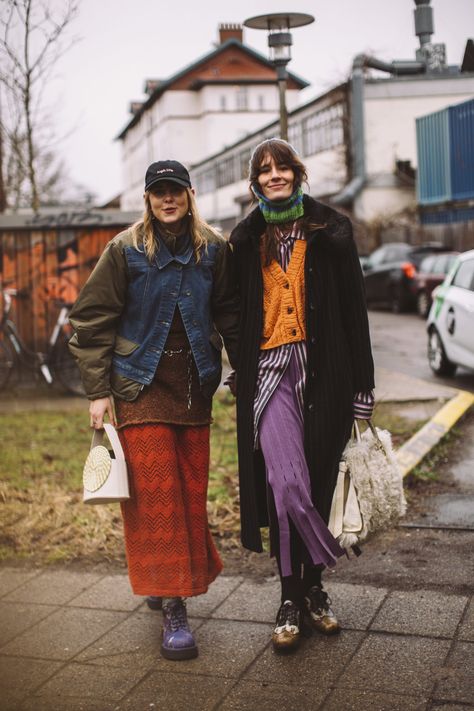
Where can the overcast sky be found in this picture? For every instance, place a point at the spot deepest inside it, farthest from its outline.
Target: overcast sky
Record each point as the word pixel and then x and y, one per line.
pixel 123 42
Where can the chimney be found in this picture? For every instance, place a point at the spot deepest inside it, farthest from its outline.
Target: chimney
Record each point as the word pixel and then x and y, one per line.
pixel 135 107
pixel 230 30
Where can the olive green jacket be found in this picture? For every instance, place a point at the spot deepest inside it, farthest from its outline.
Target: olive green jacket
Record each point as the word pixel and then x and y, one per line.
pixel 96 317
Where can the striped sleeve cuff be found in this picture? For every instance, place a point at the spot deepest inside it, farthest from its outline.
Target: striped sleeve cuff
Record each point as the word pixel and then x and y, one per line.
pixel 363 405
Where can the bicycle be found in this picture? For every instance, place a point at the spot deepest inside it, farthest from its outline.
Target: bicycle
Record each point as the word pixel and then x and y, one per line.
pixel 57 364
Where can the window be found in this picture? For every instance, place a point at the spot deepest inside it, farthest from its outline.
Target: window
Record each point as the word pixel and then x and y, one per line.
pixel 464 277
pixel 244 159
pixel 427 264
pixel 323 130
pixel 226 172
pixel 241 98
pixel 295 136
pixel 205 181
pixel 261 102
pixel 223 100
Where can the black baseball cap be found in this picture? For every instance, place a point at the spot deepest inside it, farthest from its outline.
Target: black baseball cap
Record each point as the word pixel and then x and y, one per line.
pixel 167 170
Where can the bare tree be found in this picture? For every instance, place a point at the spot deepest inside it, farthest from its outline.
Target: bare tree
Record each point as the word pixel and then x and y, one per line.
pixel 32 39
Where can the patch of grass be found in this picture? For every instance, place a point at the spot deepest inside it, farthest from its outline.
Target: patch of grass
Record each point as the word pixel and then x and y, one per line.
pixel 44 445
pixel 42 514
pixel 387 417
pixel 428 469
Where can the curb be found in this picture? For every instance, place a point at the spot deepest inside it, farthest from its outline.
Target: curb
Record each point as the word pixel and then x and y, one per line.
pixel 412 452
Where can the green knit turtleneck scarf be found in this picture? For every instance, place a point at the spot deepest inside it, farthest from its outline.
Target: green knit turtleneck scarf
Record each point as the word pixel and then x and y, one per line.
pixel 276 211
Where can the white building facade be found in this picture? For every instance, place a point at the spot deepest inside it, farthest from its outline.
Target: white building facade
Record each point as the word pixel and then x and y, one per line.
pixel 213 102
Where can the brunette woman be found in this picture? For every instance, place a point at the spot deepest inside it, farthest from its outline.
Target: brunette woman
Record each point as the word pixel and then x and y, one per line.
pixel 147 325
pixel 305 370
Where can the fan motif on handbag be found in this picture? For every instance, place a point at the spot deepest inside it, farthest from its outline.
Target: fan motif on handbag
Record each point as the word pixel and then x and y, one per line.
pixel 96 468
pixel 105 476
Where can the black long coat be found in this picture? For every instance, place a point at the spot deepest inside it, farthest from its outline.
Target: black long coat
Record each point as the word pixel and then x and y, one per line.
pixel 339 362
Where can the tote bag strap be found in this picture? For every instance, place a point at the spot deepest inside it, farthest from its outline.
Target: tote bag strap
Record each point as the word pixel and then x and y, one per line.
pixel 98 438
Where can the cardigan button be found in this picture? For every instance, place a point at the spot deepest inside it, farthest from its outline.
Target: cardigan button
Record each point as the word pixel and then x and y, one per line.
pixel 310 270
pixel 290 309
pixel 313 340
pixel 293 331
pixel 310 407
pixel 311 307
pixel 286 286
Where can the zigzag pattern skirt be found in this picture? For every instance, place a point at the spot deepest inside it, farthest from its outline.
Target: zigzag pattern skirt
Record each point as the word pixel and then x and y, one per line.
pixel 170 551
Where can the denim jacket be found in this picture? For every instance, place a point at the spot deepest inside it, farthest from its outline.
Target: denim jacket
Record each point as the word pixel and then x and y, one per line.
pixel 123 314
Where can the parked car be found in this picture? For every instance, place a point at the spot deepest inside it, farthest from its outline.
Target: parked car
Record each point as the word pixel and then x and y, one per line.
pixel 432 272
pixel 451 319
pixel 389 274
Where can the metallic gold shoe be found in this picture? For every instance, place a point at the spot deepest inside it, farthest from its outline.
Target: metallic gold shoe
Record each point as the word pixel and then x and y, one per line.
pixel 322 617
pixel 286 635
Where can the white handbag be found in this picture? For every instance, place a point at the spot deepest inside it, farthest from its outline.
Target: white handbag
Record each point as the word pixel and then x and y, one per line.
pixel 105 477
pixel 368 496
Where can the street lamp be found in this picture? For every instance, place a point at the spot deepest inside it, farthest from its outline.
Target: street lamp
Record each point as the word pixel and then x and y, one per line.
pixel 278 26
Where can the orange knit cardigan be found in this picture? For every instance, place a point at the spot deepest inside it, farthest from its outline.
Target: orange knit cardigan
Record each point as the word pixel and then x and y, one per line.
pixel 284 300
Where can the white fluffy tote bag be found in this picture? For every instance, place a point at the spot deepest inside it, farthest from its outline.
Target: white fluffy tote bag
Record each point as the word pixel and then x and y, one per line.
pixel 105 476
pixel 369 490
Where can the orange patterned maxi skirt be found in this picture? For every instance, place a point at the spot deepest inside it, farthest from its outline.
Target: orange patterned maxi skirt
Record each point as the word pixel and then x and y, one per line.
pixel 170 551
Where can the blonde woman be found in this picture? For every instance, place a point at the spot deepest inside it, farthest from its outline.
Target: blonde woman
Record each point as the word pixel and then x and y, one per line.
pixel 147 340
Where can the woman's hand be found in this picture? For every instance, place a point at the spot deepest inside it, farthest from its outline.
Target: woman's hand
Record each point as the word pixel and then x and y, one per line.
pixel 97 410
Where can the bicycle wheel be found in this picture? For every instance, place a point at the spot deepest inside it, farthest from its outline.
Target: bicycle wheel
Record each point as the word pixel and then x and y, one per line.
pixel 7 362
pixel 65 370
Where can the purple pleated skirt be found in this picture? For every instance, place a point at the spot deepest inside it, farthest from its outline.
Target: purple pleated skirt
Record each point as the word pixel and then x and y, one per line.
pixel 281 434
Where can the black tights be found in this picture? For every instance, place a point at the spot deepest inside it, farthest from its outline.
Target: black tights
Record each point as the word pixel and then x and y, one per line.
pixel 293 587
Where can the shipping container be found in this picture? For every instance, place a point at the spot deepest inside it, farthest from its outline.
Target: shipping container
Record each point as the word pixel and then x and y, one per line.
pixel 445 149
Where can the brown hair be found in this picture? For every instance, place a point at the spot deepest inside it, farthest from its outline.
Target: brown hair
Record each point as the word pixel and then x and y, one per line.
pixel 144 236
pixel 282 153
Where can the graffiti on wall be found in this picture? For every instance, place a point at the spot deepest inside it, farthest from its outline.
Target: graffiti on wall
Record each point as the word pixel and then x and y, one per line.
pixel 47 267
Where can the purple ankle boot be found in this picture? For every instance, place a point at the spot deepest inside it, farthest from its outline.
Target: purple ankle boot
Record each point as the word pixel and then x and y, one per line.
pixel 178 641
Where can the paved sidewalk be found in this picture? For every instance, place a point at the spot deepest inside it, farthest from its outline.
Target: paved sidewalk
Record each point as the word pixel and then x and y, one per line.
pixel 80 641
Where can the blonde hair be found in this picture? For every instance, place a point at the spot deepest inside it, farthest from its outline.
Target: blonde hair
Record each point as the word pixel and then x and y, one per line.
pixel 144 236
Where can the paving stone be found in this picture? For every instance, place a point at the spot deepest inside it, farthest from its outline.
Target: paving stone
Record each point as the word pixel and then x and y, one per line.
pixel 318 661
pixel 82 682
pixel 19 677
pixel 421 612
pixel 341 700
pixel 221 588
pixel 466 631
pixel 136 642
pixel 17 617
pixel 251 601
pixel 11 578
pixel 113 592
pixel 389 663
pixel 226 648
pixel 355 605
pixel 252 695
pixel 63 634
pixel 457 676
pixel 53 587
pixel 179 692
pixel 450 707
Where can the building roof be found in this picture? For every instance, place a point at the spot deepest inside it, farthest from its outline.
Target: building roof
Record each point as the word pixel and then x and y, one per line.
pixel 194 76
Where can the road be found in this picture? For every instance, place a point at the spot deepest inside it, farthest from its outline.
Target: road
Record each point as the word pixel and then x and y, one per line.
pixel 399 343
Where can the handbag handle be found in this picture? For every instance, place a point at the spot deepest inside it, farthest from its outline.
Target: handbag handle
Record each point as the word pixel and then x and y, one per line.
pixel 357 437
pixel 98 438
